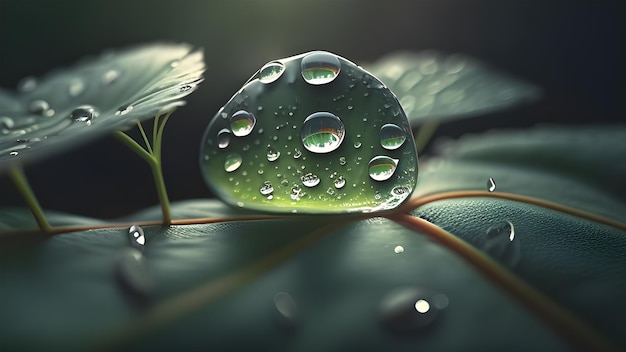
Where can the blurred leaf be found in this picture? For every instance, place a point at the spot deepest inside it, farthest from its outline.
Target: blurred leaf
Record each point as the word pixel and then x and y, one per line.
pixel 215 283
pixel 72 106
pixel 435 86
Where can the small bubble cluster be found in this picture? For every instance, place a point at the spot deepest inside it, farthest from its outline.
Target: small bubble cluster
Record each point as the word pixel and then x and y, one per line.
pixel 313 133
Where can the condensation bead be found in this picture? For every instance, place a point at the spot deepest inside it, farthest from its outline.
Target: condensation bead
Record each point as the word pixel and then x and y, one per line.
pixel 336 141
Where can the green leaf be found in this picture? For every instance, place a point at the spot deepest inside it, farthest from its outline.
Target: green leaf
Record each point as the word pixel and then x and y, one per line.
pixel 72 106
pixel 214 284
pixel 434 86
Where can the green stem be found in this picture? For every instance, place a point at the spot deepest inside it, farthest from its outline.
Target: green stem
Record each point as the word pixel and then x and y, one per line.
pixel 155 166
pixel 19 178
pixel 424 134
pixel 145 138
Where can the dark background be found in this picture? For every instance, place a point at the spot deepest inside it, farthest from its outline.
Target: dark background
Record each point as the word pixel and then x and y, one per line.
pixel 572 49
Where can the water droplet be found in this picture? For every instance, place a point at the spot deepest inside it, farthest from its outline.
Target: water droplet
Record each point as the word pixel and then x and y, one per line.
pixel 340 182
pixel 322 132
pixel 267 188
pixel 320 67
pixel 13 153
pixel 398 249
pixel 296 192
pixel 40 107
pixel 286 312
pixel 110 76
pixel 76 87
pixel 342 160
pixel 84 113
pixel 223 138
pixel 185 88
pixel 271 71
pixel 133 274
pixel 491 185
pixel 381 168
pixel 297 153
pixel 136 237
pixel 124 109
pixel 6 124
pixel 407 310
pixel 242 123
pixel 272 154
pixel 357 145
pixel 310 180
pixel 391 136
pixel 27 84
pixel 500 243
pixel 233 162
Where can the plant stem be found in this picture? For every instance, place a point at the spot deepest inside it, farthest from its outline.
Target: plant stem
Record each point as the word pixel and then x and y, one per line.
pixel 19 178
pixel 154 161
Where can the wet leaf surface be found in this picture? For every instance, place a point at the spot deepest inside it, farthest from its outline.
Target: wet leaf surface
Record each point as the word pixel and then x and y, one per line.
pixel 225 275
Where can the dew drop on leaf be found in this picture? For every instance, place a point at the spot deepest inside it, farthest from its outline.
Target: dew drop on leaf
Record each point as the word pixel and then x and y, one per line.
pixel 124 109
pixel 320 67
pixel 398 249
pixel 322 132
pixel 223 138
pixel 271 72
pixel 40 107
pixel 408 310
pixel 340 182
pixel 381 168
pixel 84 113
pixel 27 84
pixel 310 180
pixel 242 123
pixel 232 162
pixel 136 237
pixel 272 154
pixel 76 87
pixel 499 242
pixel 392 136
pixel 285 310
pixel 133 274
pixel 267 188
pixel 315 140
pixel 491 185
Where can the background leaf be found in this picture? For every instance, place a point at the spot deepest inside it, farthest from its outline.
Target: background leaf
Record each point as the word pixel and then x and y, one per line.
pixel 134 84
pixel 436 86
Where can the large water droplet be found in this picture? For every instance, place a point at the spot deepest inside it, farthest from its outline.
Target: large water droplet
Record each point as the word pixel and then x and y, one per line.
pixel 271 71
pixel 310 180
pixel 407 310
pixel 285 312
pixel 84 113
pixel 272 154
pixel 223 138
pixel 232 162
pixel 499 242
pixel 320 67
pixel 381 168
pixel 398 249
pixel 391 136
pixel 491 185
pixel 322 132
pixel 242 123
pixel 136 237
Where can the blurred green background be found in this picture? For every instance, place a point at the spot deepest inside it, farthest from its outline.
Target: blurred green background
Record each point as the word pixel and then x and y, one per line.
pixel 572 49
